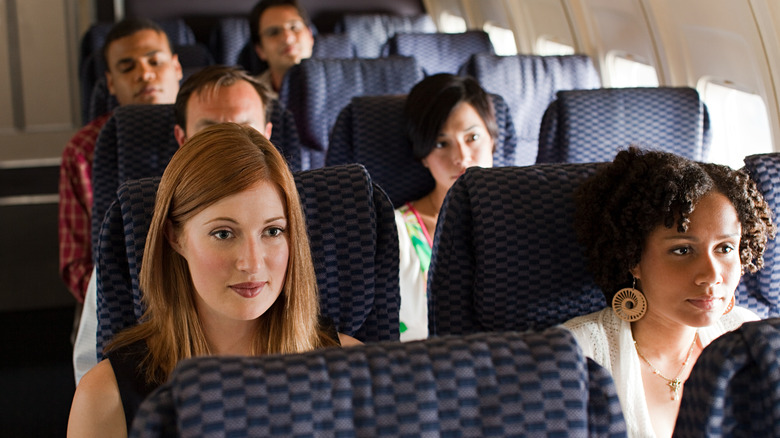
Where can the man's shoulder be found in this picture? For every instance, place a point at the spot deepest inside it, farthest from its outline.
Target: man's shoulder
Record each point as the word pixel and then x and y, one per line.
pixel 83 141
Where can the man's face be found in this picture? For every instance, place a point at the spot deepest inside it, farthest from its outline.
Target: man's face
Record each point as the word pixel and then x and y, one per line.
pixel 237 103
pixel 142 69
pixel 284 38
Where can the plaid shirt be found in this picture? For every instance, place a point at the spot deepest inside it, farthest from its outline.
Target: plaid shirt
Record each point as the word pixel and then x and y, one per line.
pixel 76 206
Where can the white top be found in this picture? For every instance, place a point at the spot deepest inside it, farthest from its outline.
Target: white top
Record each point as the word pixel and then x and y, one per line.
pixel 413 283
pixel 607 339
pixel 85 347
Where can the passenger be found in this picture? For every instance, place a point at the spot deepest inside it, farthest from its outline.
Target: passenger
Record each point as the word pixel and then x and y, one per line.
pixel 226 270
pixel 212 95
pixel 667 240
pixel 140 68
pixel 282 37
pixel 452 126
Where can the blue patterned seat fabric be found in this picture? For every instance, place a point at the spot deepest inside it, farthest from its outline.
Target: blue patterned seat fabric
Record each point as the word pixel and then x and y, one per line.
pixel 487 385
pixel 760 292
pixel 227 38
pixel 439 52
pixel 529 83
pixel 734 388
pixel 583 126
pixel 370 32
pixel 354 248
pixel 138 142
pixel 371 131
pixel 317 89
pixel 505 254
pixel 92 67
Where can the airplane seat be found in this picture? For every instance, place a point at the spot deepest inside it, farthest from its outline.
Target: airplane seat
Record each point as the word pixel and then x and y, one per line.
pixel 439 52
pixel 138 142
pixel 505 254
pixel 371 130
pixel 91 64
pixel 191 57
pixel 734 387
pixel 583 126
pixel 529 83
pixel 485 385
pixel 760 292
pixel 353 239
pixel 227 38
pixel 369 32
pixel 317 89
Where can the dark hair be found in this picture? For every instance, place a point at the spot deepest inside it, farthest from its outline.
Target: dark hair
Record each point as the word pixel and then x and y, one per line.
pixel 211 78
pixel 430 103
pixel 261 6
pixel 625 200
pixel 127 27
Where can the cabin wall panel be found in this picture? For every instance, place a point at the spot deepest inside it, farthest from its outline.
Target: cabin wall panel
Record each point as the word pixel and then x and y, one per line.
pixel 6 95
pixel 541 18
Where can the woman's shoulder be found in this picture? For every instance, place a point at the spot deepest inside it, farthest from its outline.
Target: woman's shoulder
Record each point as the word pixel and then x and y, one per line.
pixel 97 405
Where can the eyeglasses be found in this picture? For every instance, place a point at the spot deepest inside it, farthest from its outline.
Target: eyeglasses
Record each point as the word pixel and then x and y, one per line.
pixel 296 26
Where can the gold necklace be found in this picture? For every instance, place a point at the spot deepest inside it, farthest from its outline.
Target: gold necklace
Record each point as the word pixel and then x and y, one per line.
pixel 676 383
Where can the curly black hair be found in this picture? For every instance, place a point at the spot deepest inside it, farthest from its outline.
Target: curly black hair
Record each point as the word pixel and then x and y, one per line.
pixel 625 200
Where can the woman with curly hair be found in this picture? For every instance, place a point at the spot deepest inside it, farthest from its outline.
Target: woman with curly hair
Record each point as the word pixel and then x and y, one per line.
pixel 227 270
pixel 667 240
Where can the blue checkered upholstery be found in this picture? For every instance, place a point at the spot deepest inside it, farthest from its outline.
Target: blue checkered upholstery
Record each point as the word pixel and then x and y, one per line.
pixel 529 83
pixel 228 36
pixel 369 32
pixel 317 89
pixel 760 292
pixel 371 130
pixel 583 126
pixel 92 67
pixel 353 240
pixel 734 388
pixel 505 254
pixel 138 142
pixel 439 52
pixel 487 385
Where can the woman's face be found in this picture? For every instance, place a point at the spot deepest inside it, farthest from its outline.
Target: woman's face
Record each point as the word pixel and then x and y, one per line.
pixel 689 278
pixel 462 143
pixel 237 251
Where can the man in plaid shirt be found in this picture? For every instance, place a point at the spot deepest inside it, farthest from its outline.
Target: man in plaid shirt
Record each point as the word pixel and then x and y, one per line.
pixel 141 68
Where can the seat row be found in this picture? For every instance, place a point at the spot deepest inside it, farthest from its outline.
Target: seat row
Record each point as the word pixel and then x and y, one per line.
pixel 504 260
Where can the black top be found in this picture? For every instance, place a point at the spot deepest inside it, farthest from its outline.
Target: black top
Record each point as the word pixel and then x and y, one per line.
pixel 133 387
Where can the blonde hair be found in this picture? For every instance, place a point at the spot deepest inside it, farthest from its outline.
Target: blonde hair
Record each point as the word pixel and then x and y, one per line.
pixel 220 161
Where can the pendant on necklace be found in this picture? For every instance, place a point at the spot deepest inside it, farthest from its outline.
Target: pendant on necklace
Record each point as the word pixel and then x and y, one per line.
pixel 675 385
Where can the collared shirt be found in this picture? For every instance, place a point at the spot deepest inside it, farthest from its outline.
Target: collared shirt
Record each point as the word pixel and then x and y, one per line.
pixel 76 206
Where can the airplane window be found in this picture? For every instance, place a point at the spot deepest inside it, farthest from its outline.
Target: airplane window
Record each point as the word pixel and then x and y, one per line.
pixel 503 39
pixel 451 23
pixel 739 121
pixel 550 47
pixel 628 71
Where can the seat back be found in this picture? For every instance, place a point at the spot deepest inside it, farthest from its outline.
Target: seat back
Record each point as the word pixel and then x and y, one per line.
pixel 583 126
pixel 227 38
pixel 497 385
pixel 371 130
pixel 369 32
pixel 138 142
pixel 439 52
pixel 317 89
pixel 529 83
pixel 734 388
pixel 354 246
pixel 760 292
pixel 505 254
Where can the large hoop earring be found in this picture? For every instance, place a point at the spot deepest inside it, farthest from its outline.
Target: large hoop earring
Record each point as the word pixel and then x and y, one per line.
pixel 629 304
pixel 730 306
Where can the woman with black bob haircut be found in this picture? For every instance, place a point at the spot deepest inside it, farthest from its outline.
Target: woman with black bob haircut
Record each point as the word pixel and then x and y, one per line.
pixel 667 240
pixel 452 126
